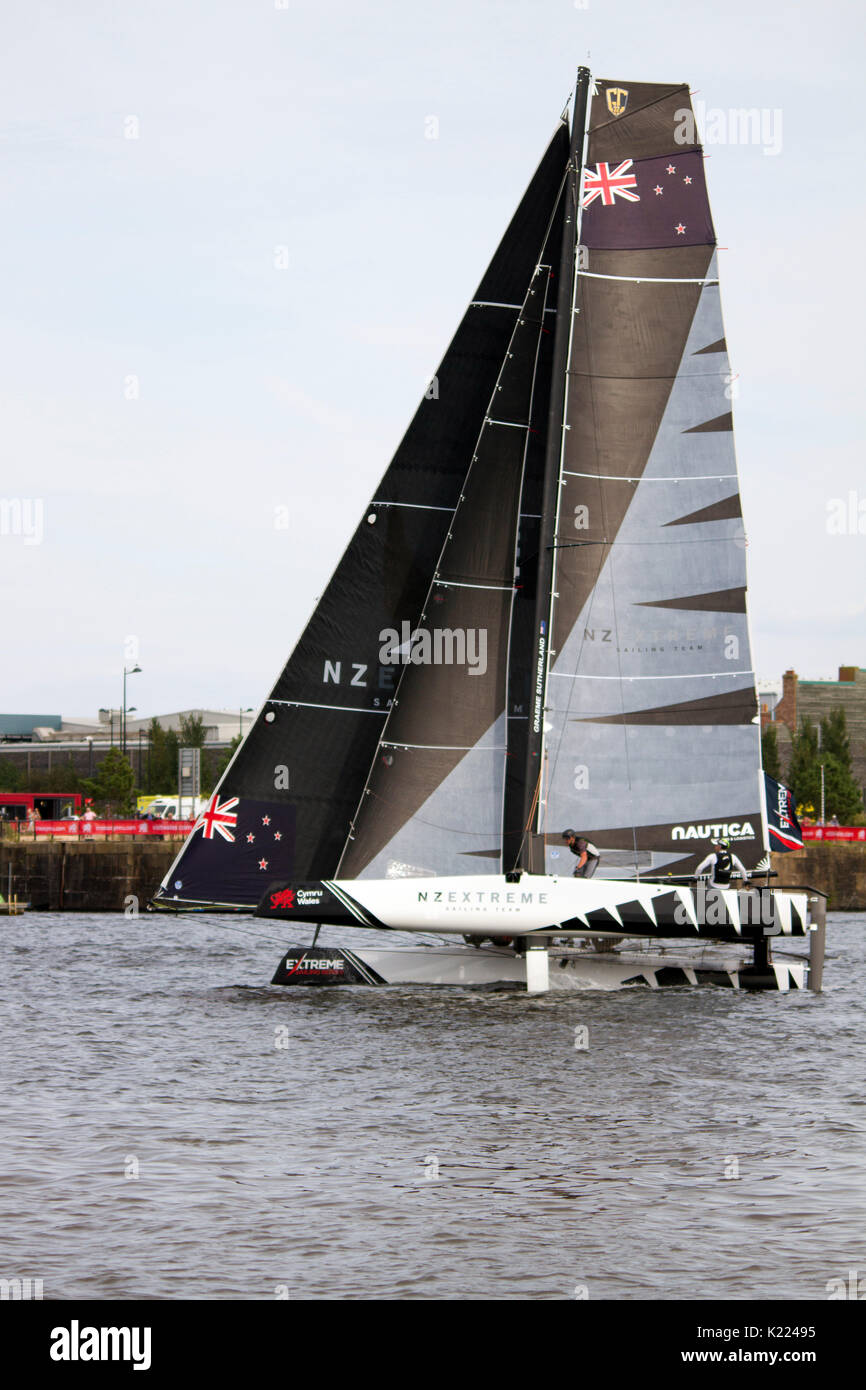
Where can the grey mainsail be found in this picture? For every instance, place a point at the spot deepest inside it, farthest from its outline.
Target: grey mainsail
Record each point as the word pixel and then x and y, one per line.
pixel 652 742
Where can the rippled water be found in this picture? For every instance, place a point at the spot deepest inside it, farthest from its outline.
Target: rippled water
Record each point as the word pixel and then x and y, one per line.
pixel 152 1043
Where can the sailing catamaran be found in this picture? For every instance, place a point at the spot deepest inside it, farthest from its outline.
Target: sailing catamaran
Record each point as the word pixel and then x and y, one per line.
pixel 540 622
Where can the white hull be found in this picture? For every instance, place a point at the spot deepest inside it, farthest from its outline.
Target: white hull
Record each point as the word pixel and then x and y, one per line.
pixel 528 933
pixel 569 969
pixel 488 905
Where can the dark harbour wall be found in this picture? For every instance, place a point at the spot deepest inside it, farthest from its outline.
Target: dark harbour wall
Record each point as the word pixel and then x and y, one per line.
pixel 62 876
pixel 838 870
pixel 65 877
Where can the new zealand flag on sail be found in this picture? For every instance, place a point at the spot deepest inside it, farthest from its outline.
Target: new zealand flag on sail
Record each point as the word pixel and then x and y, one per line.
pixel 782 821
pixel 235 852
pixel 638 204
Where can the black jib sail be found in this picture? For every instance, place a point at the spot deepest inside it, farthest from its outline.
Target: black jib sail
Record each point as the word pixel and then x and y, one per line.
pixel 285 805
pixel 434 797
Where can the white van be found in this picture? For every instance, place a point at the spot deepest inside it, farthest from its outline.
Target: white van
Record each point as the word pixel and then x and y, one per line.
pixel 166 808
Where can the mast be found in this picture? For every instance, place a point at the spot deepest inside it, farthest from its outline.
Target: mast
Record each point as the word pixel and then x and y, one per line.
pixel 550 496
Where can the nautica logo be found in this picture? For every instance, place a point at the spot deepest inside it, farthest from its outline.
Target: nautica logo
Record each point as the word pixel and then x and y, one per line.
pixel 723 830
pixel 75 1343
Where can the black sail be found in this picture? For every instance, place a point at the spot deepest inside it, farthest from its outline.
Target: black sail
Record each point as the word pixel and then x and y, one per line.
pixel 285 804
pixel 434 798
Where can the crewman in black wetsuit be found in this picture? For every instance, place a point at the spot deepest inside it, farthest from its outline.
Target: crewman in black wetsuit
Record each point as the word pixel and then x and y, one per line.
pixel 721 864
pixel 588 857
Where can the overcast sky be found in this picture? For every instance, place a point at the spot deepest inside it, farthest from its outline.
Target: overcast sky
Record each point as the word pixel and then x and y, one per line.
pixel 156 155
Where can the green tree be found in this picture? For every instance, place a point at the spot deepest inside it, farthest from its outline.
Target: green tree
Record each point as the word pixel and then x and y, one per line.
pixel 155 757
pixel 162 761
pixel 842 796
pixel 63 779
pixel 113 787
pixel 212 763
pixel 834 736
pixel 770 752
pixel 10 776
pixel 804 774
pixel 192 730
pixel 226 757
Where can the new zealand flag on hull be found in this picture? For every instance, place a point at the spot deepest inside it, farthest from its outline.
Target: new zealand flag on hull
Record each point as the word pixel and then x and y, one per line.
pixel 237 849
pixel 782 820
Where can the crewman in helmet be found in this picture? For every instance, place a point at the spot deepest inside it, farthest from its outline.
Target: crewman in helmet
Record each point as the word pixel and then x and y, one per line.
pixel 721 863
pixel 588 857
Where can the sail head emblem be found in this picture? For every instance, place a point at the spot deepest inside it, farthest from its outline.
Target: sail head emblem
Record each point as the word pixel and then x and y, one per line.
pixel 617 100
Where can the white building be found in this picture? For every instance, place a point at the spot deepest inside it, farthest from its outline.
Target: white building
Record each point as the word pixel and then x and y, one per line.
pixel 221 726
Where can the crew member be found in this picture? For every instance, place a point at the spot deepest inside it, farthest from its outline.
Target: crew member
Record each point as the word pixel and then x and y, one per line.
pixel 721 863
pixel 588 857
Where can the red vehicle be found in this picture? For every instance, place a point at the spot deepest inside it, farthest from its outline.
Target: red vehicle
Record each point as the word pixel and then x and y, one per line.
pixel 48 805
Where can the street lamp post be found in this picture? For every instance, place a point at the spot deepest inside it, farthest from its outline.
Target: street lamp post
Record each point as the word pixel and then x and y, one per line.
pixel 130 709
pixel 127 671
pixel 241 714
pixel 822 793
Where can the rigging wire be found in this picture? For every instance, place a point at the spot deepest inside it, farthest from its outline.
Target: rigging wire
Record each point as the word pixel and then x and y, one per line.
pixel 249 931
